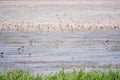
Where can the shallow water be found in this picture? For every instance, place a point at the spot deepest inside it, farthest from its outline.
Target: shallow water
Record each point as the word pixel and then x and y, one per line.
pixel 49 51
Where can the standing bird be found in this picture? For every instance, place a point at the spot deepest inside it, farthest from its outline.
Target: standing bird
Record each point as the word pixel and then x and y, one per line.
pixel 29 54
pixel 21 49
pixel 106 43
pixel 2 54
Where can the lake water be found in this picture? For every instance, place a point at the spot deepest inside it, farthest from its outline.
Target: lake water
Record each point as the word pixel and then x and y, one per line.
pixel 42 52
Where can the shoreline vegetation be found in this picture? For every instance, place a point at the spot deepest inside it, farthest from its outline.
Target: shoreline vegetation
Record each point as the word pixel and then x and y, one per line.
pixel 107 74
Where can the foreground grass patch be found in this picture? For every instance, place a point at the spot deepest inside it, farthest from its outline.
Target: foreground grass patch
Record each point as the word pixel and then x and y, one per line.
pixel 62 75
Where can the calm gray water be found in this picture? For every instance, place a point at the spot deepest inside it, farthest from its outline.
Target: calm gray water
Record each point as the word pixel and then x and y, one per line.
pixel 49 51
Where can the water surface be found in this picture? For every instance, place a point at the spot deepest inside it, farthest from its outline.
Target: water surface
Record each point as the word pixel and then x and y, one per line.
pixel 50 51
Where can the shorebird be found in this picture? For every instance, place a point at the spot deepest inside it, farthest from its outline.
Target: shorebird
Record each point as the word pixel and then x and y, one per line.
pixel 101 27
pixel 106 43
pixel 21 49
pixel 22 46
pixel 2 54
pixel 29 54
pixel 90 27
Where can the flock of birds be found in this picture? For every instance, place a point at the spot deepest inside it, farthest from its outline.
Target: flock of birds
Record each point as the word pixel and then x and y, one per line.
pixel 58 44
pixel 57 25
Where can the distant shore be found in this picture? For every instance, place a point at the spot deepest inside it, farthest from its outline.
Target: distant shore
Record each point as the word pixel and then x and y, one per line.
pixel 59 16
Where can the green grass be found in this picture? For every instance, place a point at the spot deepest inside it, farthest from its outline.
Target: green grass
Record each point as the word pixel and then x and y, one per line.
pixel 62 75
